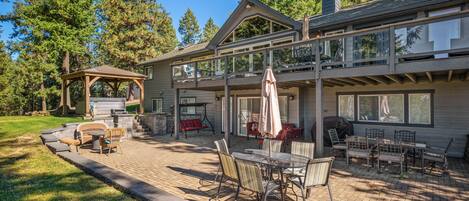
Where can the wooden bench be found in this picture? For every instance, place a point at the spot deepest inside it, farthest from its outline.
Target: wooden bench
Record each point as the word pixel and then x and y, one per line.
pixel 191 125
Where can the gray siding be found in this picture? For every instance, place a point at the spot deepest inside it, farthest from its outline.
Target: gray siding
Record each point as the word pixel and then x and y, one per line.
pixel 160 87
pixel 451 112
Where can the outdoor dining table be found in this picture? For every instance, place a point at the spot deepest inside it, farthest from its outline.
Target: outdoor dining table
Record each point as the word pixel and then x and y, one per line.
pixel 274 161
pixel 418 146
pixel 96 134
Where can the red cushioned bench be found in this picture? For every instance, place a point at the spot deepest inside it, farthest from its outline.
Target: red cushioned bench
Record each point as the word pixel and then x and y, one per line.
pixel 191 125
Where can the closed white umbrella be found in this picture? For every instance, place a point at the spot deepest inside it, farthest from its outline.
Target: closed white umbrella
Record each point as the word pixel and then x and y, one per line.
pixel 270 123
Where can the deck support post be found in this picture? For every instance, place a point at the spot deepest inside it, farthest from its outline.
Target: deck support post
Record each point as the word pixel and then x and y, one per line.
pixel 319 117
pixel 176 114
pixel 227 115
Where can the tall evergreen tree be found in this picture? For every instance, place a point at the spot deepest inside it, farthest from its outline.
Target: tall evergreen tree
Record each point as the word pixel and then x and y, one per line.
pixel 133 31
pixel 210 29
pixel 189 28
pixel 52 31
pixel 296 9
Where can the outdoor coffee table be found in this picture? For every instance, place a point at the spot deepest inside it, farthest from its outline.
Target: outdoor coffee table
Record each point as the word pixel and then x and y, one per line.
pixel 96 134
pixel 275 161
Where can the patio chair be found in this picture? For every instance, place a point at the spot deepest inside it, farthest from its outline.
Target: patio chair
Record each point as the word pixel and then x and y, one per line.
pixel 112 140
pixel 305 149
pixel 222 146
pixel 81 137
pixel 275 145
pixel 317 174
pixel 406 136
pixel 390 152
pixel 229 170
pixel 436 155
pixel 358 147
pixel 250 178
pixel 337 144
pixel 374 133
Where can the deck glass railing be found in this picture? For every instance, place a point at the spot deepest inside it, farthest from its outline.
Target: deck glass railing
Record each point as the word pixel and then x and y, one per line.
pixel 430 38
pixel 433 40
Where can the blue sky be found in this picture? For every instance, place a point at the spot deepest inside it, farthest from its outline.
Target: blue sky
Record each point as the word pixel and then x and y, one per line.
pixel 219 10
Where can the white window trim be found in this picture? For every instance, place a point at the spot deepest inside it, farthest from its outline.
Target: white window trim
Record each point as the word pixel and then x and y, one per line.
pixel 338 106
pixel 153 109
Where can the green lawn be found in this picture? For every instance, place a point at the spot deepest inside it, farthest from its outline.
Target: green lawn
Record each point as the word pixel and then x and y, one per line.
pixel 29 171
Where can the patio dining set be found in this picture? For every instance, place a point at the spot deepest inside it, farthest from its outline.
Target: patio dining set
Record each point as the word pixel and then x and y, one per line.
pixel 97 135
pixel 264 171
pixel 375 147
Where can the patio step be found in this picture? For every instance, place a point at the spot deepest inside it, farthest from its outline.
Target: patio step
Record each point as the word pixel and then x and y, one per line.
pixel 57 147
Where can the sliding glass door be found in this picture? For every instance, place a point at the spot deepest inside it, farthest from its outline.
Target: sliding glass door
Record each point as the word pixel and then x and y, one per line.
pixel 249 109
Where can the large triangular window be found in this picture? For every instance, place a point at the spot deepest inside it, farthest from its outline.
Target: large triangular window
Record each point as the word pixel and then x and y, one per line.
pixel 252 27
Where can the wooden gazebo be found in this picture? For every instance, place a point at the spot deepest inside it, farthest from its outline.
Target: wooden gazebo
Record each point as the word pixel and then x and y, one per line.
pixel 113 77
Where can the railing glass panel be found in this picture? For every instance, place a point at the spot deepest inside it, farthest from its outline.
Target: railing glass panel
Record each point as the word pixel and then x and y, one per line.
pixel 206 70
pixel 246 65
pixel 184 72
pixel 434 40
pixel 295 58
pixel 332 53
pixel 371 49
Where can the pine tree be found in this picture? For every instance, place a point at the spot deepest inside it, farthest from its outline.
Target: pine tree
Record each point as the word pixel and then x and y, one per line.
pixel 132 32
pixel 51 32
pixel 210 29
pixel 189 29
pixel 296 9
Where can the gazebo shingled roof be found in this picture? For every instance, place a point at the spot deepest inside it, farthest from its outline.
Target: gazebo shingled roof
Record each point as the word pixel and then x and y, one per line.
pixel 106 73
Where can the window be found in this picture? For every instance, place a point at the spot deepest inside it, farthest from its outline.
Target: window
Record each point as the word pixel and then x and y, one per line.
pixel 149 72
pixel 346 107
pixel 157 105
pixel 381 108
pixel 420 108
pixel 187 110
pixel 254 26
pixel 406 107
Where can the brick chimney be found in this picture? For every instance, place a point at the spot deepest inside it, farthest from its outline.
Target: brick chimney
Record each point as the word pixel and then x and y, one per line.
pixel 330 6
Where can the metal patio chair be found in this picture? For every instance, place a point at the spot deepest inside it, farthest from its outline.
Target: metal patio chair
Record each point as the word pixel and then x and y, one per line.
pixel 436 155
pixel 406 136
pixel 337 144
pixel 229 170
pixel 374 133
pixel 250 178
pixel 391 152
pixel 317 174
pixel 223 148
pixel 358 147
pixel 275 145
pixel 305 149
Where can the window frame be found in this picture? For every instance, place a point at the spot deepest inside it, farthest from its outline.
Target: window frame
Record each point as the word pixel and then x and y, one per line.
pixel 153 109
pixel 195 108
pixel 379 107
pixel 405 93
pixel 148 70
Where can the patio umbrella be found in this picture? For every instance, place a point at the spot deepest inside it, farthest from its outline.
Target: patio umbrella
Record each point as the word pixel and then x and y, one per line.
pixel 269 121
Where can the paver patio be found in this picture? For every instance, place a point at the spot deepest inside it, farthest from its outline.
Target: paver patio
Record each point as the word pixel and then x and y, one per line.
pixel 186 167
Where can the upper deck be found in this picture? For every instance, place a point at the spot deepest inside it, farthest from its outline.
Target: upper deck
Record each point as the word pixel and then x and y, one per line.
pixel 407 50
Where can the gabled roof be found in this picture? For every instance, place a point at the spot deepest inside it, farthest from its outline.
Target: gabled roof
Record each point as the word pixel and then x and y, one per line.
pixel 370 10
pixel 105 71
pixel 179 52
pixel 224 30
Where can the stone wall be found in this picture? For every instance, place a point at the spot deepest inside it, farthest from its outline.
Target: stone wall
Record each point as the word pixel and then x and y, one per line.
pixel 156 123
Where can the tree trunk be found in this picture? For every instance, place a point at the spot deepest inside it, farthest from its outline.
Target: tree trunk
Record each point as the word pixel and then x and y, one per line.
pixel 130 96
pixel 43 99
pixel 66 70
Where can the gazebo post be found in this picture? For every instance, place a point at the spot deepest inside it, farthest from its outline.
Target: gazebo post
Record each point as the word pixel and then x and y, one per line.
pixel 142 94
pixel 87 96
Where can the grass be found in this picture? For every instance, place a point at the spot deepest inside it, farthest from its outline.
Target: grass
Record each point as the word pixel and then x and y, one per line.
pixel 29 171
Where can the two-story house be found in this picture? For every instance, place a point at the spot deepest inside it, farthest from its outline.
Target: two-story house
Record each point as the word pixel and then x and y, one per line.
pixel 389 64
